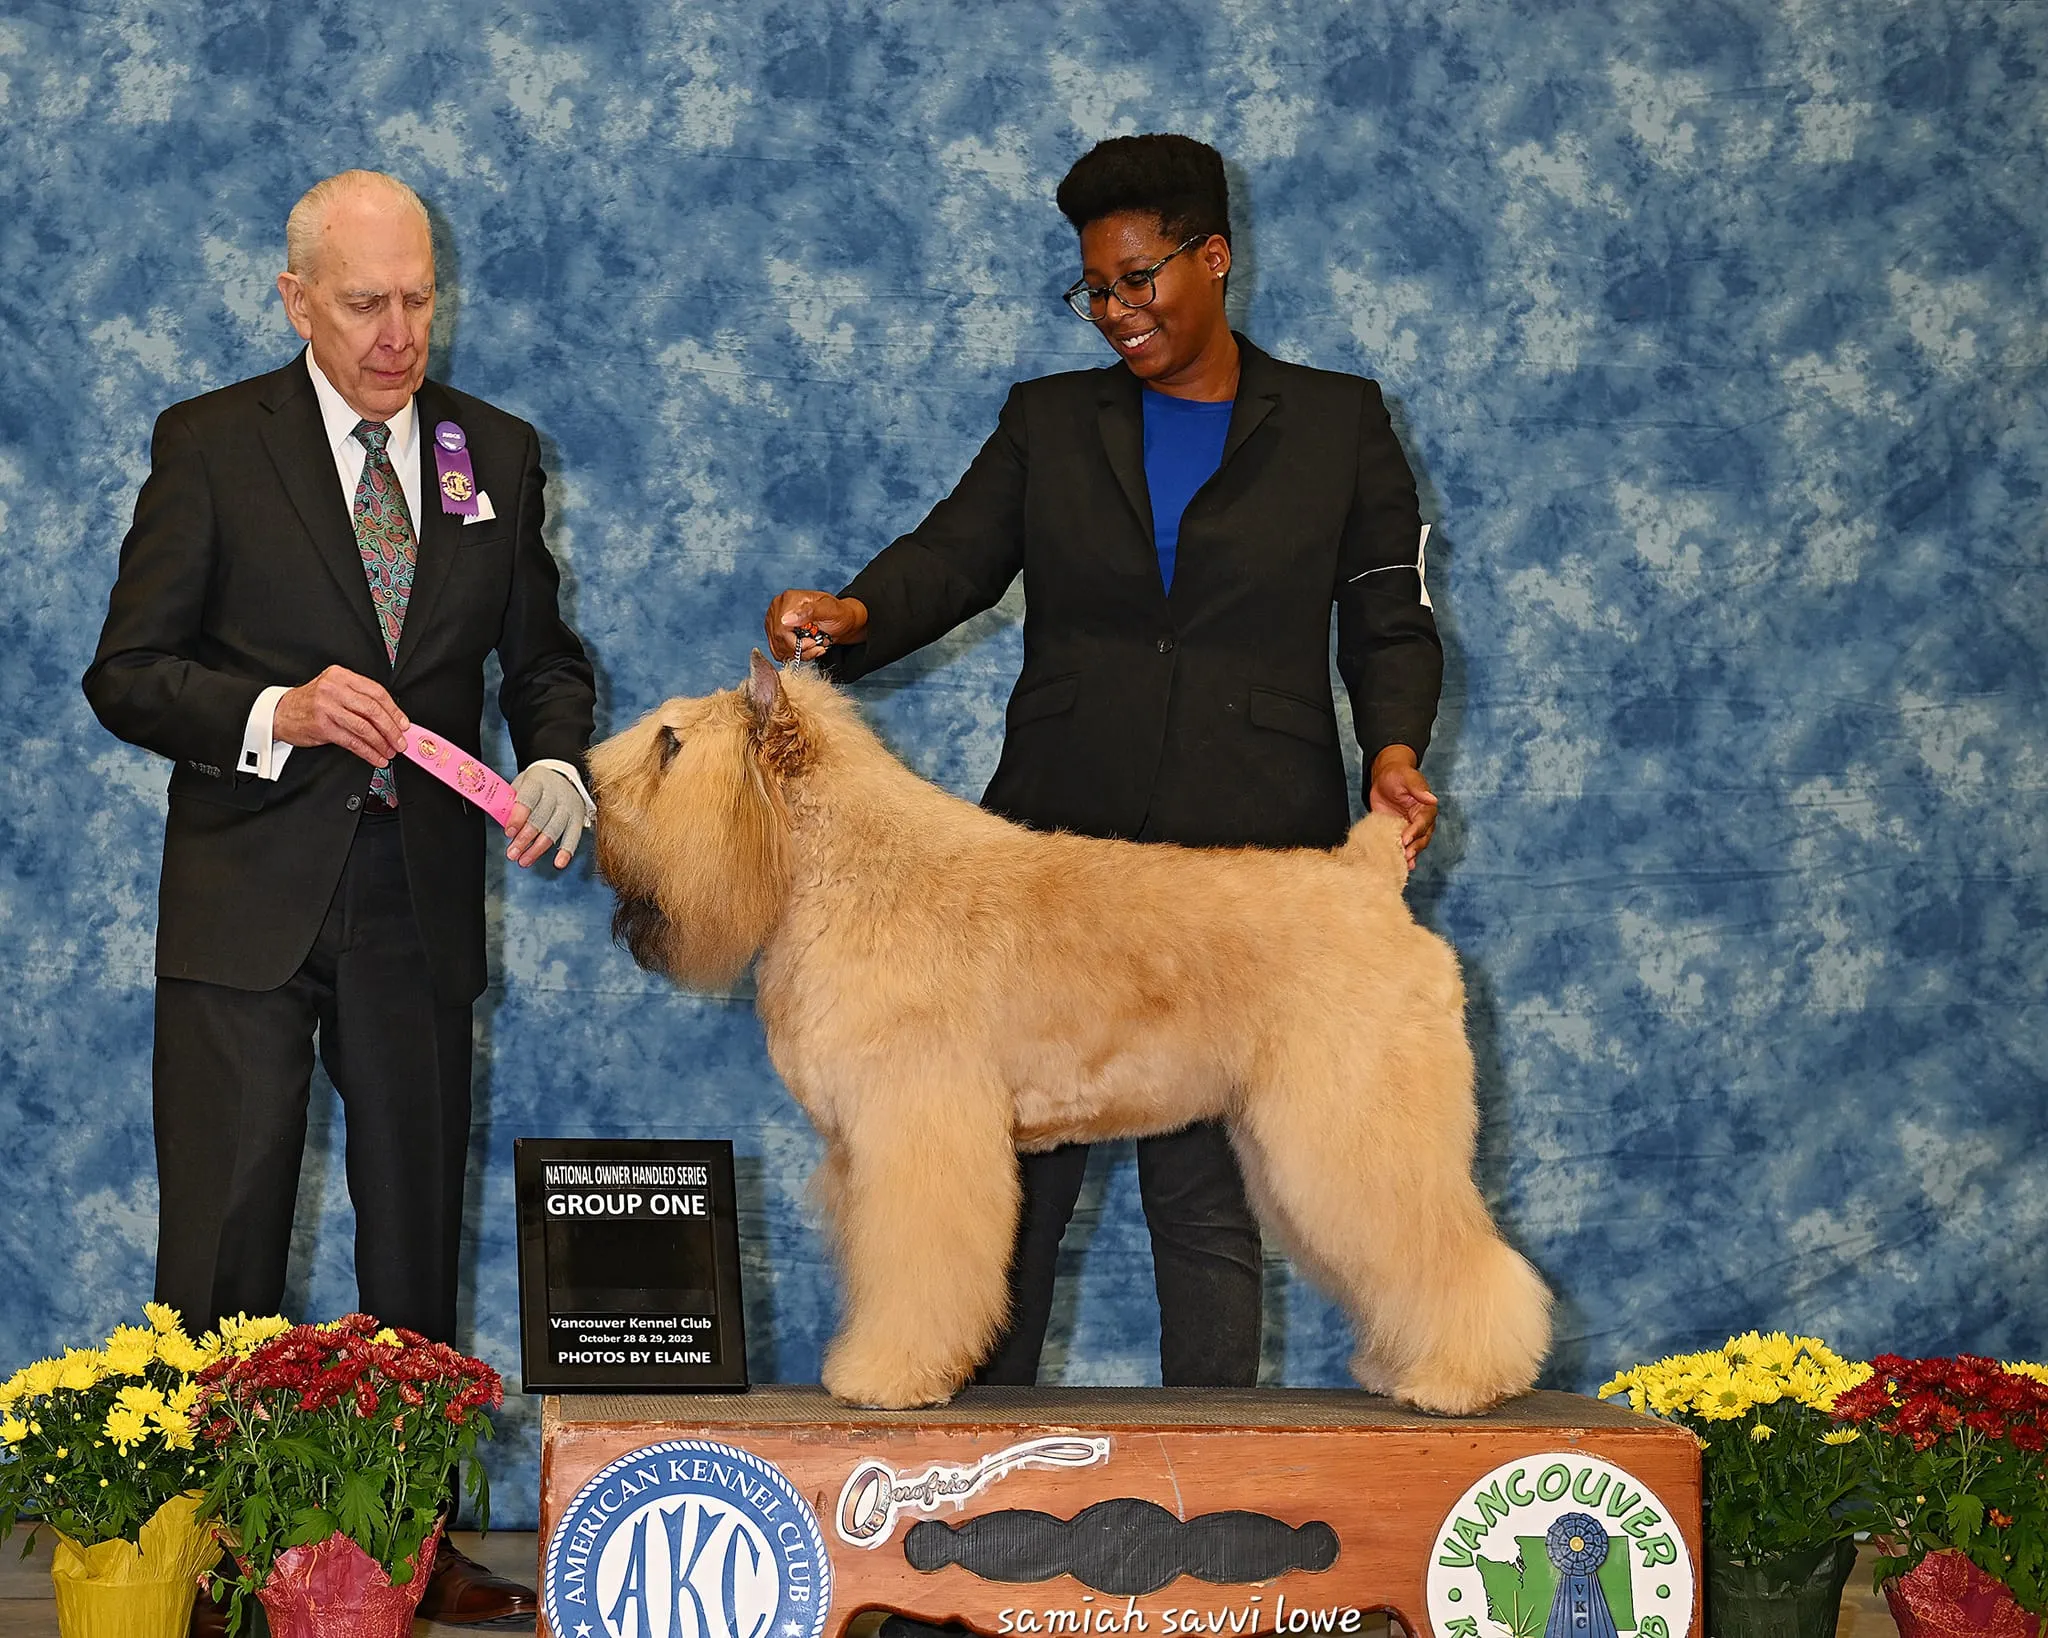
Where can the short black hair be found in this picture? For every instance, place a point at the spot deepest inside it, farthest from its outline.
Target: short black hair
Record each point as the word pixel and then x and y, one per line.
pixel 1175 178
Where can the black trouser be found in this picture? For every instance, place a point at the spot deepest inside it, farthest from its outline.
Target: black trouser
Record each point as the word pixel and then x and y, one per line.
pixel 1205 1259
pixel 232 1072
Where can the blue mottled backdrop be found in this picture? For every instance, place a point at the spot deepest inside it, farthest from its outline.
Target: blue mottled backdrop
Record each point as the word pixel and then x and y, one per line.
pixel 1715 331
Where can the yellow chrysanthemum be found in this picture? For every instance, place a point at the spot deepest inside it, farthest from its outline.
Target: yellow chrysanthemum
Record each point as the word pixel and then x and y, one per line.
pixel 13 1430
pixel 39 1380
pixel 141 1398
pixel 163 1318
pixel 1774 1353
pixel 174 1416
pixel 2023 1367
pixel 1841 1436
pixel 1726 1383
pixel 81 1368
pixel 129 1350
pixel 1675 1395
pixel 1762 1431
pixel 244 1335
pixel 1846 1374
pixel 1763 1387
pixel 1724 1401
pixel 12 1391
pixel 387 1337
pixel 126 1428
pixel 181 1353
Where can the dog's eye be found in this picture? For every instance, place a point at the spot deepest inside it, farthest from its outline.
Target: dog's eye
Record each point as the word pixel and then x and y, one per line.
pixel 670 744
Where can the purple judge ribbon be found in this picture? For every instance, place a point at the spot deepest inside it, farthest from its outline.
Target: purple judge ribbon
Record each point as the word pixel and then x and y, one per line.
pixel 451 461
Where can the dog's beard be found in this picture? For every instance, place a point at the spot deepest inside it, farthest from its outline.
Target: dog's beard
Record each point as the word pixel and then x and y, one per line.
pixel 638 923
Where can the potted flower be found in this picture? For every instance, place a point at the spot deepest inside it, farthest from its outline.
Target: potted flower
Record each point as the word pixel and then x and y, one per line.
pixel 1781 1476
pixel 1958 1455
pixel 335 1446
pixel 99 1446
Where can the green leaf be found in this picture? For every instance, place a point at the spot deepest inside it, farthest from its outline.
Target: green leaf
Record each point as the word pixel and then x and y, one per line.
pixel 1965 1517
pixel 310 1524
pixel 360 1508
pixel 309 1452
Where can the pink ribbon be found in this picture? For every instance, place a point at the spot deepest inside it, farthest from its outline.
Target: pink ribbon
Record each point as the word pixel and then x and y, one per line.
pixel 460 772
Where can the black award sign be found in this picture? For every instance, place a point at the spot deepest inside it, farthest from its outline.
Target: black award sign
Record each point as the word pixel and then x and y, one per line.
pixel 629 1266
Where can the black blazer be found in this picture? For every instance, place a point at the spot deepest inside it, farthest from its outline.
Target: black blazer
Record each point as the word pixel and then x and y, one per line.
pixel 241 571
pixel 1204 717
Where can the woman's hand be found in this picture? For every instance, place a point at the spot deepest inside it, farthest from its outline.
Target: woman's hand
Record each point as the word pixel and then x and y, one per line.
pixel 835 619
pixel 1399 788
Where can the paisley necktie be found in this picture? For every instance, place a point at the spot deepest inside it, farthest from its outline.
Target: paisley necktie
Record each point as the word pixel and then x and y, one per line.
pixel 390 554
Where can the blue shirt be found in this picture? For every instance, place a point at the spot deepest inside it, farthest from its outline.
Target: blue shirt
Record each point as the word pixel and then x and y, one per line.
pixel 1183 448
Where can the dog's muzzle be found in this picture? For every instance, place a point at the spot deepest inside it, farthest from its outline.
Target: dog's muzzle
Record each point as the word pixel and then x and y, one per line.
pixel 639 924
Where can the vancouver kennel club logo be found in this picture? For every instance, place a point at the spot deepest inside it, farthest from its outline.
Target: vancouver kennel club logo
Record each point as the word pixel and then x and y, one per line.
pixel 1560 1545
pixel 687 1539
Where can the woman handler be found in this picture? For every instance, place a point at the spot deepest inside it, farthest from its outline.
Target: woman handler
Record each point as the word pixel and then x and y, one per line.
pixel 1183 519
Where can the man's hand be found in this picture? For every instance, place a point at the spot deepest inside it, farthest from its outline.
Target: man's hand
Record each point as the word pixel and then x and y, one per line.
pixel 838 619
pixel 338 707
pixel 546 807
pixel 1399 788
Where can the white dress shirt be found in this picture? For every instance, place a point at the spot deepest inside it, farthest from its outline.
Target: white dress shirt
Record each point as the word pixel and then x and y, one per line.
pixel 264 756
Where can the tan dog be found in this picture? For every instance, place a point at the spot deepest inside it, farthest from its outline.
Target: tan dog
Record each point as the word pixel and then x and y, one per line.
pixel 942 987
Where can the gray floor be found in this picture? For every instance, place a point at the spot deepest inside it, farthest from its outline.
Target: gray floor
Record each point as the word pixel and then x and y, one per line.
pixel 26 1609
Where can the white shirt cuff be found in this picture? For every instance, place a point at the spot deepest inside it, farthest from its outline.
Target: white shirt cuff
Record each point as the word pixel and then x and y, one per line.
pixel 262 755
pixel 576 779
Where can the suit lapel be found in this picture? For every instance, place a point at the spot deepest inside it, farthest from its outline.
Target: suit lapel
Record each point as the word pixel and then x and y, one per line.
pixel 433 530
pixel 1258 393
pixel 296 439
pixel 1121 418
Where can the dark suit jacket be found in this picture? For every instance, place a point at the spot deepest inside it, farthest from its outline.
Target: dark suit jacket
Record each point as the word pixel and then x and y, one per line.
pixel 1203 717
pixel 241 570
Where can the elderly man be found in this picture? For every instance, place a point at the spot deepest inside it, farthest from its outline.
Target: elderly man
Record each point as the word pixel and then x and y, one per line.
pixel 320 557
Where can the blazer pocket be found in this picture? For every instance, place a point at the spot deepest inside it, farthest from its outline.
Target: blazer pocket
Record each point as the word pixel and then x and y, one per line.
pixel 494 533
pixel 235 791
pixel 1288 715
pixel 1046 699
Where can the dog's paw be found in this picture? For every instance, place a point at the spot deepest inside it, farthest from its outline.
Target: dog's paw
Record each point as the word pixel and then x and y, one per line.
pixel 1456 1394
pixel 886 1380
pixel 1372 1376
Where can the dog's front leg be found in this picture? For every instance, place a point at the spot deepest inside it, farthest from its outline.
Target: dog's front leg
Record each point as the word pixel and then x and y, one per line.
pixel 925 1204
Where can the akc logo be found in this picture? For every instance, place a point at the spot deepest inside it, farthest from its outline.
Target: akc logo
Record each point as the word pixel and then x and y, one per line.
pixel 687 1539
pixel 1560 1545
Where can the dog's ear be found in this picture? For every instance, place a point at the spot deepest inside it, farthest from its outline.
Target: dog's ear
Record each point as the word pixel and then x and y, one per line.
pixel 764 689
pixel 778 733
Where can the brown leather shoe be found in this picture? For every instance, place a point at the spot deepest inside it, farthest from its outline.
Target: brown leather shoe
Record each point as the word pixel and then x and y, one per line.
pixel 209 1620
pixel 463 1593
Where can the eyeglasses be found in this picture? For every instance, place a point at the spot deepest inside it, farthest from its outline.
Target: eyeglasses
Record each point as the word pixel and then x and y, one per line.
pixel 1133 289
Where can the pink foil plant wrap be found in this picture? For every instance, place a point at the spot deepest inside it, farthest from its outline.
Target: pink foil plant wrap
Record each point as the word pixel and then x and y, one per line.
pixel 333 1589
pixel 1945 1595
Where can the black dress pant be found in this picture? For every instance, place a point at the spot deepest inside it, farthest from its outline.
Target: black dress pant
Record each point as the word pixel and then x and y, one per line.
pixel 1205 1259
pixel 232 1073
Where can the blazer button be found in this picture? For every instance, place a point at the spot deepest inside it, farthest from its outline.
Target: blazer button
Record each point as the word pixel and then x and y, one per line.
pixel 1166 645
pixel 354 802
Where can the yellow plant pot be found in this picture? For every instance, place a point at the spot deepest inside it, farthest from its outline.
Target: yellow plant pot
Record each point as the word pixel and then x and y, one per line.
pixel 135 1589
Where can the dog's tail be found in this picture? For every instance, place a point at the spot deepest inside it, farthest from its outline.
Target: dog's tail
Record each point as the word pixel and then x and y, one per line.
pixel 1374 847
